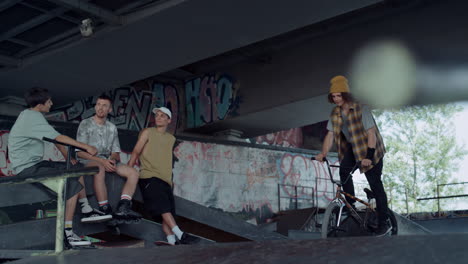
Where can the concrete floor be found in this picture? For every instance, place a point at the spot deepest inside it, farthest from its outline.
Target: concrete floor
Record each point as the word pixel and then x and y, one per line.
pixel 450 248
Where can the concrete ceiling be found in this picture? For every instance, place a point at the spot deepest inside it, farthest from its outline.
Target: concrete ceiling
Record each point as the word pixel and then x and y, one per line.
pixel 142 42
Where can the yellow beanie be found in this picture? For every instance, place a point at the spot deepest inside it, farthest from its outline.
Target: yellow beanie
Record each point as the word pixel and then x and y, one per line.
pixel 339 84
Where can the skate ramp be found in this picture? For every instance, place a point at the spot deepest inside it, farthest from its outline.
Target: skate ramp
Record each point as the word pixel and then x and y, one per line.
pixel 409 227
pixel 299 219
pixel 223 221
pixel 445 225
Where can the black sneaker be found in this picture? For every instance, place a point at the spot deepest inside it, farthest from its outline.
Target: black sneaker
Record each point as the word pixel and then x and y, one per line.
pixel 107 209
pixel 384 229
pixel 95 216
pixel 187 239
pixel 124 211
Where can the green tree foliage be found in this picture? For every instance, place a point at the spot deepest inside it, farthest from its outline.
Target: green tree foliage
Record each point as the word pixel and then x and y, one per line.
pixel 422 152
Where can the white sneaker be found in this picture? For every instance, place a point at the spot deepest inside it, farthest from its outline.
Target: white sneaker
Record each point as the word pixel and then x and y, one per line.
pixel 95 216
pixel 74 240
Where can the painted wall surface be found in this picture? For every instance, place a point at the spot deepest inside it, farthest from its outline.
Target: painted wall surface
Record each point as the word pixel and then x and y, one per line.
pixel 292 138
pixel 210 98
pixel 207 99
pixel 131 106
pixel 245 180
pixel 201 101
pixel 237 179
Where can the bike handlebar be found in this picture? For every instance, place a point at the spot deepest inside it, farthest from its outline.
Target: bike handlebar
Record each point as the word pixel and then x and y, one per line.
pixel 357 165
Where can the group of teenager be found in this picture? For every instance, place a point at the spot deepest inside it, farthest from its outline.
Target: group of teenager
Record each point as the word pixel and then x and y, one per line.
pixel 98 144
pixel 351 126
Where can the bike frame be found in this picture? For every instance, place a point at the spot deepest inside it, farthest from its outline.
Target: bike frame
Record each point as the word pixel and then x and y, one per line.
pixel 340 198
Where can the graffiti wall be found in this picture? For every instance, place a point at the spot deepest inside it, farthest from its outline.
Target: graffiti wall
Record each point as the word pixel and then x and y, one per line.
pixel 245 180
pixel 210 98
pixel 291 138
pixel 131 106
pixel 207 99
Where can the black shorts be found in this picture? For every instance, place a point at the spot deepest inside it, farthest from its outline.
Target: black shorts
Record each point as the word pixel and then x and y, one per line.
pixel 157 196
pixel 45 166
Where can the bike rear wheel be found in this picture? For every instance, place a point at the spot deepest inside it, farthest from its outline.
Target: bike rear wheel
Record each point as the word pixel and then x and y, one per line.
pixel 330 221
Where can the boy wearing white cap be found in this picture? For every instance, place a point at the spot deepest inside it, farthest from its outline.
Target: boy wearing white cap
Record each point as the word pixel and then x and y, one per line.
pixel 154 149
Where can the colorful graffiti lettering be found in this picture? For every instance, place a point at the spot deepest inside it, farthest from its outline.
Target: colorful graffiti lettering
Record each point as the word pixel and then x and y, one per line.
pixel 131 108
pixel 209 99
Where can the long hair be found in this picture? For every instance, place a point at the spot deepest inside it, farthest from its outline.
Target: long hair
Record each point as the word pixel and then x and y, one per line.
pixel 347 97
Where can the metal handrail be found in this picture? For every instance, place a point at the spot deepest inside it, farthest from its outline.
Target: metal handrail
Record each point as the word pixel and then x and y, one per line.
pixel 296 198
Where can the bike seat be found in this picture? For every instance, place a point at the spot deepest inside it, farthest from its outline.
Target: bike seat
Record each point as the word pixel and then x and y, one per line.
pixel 369 193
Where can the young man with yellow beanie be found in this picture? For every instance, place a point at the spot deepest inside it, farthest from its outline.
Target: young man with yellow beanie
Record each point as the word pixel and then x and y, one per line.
pixel 352 127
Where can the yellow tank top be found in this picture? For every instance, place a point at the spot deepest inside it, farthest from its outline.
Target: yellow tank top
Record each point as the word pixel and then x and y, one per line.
pixel 156 157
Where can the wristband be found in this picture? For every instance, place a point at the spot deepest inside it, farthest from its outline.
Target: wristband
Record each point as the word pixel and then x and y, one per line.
pixel 370 153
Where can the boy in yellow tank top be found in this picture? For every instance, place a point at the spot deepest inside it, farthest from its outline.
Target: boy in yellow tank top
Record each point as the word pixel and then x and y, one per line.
pixel 154 149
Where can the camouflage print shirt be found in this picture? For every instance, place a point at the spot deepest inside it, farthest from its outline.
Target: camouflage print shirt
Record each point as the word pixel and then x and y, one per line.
pixel 103 137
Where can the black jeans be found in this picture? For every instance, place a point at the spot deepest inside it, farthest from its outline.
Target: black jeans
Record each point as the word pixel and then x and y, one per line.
pixel 374 178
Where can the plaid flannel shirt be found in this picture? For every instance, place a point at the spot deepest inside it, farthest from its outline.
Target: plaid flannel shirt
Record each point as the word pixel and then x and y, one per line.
pixel 358 135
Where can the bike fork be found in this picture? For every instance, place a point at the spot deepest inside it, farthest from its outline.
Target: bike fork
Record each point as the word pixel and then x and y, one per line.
pixel 341 205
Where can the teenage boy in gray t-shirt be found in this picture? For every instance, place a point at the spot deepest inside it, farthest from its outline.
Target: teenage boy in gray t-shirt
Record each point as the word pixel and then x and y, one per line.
pixel 26 150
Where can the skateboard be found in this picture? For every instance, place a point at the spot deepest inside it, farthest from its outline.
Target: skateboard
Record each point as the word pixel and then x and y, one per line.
pixel 162 243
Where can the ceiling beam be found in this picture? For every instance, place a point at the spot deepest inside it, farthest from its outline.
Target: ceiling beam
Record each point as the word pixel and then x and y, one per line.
pixel 62 16
pixel 106 15
pixel 32 23
pixel 152 9
pixel 21 42
pixel 9 61
pixel 134 5
pixel 5 4
pixel 50 41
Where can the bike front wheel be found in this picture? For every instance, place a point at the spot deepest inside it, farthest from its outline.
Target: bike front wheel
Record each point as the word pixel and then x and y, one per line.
pixel 330 221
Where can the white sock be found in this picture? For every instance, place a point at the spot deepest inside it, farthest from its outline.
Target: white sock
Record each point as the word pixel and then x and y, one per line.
pixel 171 239
pixel 85 207
pixel 125 196
pixel 68 228
pixel 102 203
pixel 69 224
pixel 177 232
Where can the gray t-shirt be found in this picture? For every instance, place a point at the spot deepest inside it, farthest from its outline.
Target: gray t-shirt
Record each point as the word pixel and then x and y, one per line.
pixel 103 137
pixel 367 121
pixel 25 144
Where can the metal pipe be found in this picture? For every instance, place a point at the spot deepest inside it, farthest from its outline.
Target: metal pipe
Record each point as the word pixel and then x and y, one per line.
pixel 59 226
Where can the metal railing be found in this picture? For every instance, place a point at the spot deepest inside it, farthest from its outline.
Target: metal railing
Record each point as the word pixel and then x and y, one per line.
pixel 438 197
pixel 295 196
